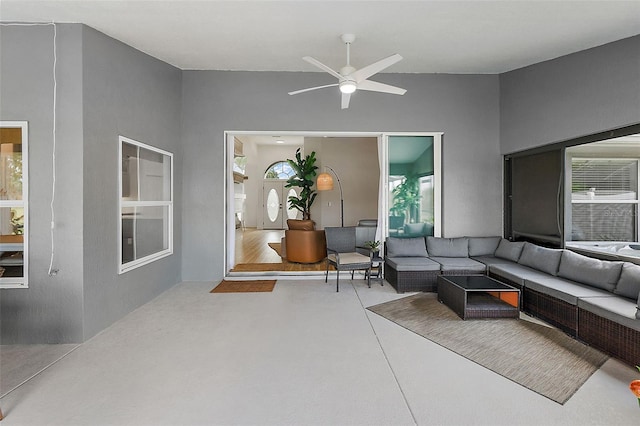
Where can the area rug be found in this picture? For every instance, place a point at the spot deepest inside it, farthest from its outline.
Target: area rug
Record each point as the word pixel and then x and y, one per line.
pixel 540 358
pixel 276 247
pixel 253 286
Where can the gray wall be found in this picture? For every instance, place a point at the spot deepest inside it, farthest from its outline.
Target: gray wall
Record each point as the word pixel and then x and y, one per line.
pixel 464 107
pixel 105 88
pixel 131 94
pixel 50 310
pixel 579 94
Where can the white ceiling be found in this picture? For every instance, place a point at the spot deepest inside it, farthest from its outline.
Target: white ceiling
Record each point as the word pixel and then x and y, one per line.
pixel 433 36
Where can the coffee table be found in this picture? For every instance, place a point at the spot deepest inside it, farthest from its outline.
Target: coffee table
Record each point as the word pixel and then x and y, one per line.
pixel 478 296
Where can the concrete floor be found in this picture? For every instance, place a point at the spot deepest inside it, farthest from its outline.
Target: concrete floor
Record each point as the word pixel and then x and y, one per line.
pixel 303 354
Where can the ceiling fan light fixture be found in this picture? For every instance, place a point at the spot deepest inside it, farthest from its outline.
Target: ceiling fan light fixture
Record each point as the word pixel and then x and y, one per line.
pixel 348 86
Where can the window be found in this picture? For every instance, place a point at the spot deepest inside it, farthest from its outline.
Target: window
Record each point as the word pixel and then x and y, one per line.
pixel 13 204
pixel 279 170
pixel 604 199
pixel 412 189
pixel 146 204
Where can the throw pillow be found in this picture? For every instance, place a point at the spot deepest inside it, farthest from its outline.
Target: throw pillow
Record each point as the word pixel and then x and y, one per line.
pixel 540 258
pixel 406 247
pixel 509 250
pixel 448 247
pixel 629 282
pixel 587 270
pixel 483 246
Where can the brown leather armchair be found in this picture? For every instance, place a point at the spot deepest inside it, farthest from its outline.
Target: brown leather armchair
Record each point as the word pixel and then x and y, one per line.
pixel 303 243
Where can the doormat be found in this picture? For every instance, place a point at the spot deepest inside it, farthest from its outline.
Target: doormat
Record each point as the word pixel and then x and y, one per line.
pixel 540 358
pixel 253 286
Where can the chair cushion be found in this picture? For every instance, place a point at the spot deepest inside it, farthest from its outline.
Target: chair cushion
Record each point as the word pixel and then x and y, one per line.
pixel 406 247
pixel 452 264
pixel 350 258
pixel 483 246
pixel 629 282
pixel 509 250
pixel 412 264
pixel 540 258
pixel 587 270
pixel 448 247
pixel 301 225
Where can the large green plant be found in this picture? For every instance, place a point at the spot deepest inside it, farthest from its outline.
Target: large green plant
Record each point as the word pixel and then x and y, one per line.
pixel 406 198
pixel 305 170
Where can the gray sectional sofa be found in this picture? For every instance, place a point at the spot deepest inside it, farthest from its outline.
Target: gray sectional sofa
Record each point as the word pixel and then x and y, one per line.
pixel 594 300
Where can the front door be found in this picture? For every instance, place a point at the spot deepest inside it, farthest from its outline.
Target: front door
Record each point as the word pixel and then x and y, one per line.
pixel 275 211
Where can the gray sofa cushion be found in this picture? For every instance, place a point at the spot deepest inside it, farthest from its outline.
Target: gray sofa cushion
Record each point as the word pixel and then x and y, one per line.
pixel 587 270
pixel 414 228
pixel 491 260
pixel 483 246
pixel 515 272
pixel 412 264
pixel 509 250
pixel 540 258
pixel 616 309
pixel 563 289
pixel 448 247
pixel 453 264
pixel 629 282
pixel 406 247
pixel 638 308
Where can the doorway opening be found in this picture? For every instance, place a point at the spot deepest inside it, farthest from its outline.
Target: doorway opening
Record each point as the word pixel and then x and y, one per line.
pixel 257 208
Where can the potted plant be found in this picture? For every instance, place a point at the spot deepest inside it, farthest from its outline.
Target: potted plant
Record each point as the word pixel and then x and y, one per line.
pixel 304 178
pixel 374 246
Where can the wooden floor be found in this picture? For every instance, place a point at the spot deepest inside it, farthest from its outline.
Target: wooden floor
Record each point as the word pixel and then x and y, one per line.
pixel 251 245
pixel 253 253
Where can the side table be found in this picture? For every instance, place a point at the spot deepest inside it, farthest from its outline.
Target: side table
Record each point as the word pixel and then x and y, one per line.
pixel 377 267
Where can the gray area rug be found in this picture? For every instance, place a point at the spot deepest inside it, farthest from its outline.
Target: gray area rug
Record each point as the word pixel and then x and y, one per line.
pixel 537 357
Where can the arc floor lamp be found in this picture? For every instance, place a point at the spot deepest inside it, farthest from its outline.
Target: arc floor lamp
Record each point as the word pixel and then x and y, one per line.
pixel 324 182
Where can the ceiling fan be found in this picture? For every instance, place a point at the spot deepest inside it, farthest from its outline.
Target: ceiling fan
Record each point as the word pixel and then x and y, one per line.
pixel 351 79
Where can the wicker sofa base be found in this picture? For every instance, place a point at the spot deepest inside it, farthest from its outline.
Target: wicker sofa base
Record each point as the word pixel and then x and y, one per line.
pixel 404 281
pixel 554 311
pixel 610 337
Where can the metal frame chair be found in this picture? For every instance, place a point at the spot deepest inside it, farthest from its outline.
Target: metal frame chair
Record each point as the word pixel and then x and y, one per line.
pixel 342 254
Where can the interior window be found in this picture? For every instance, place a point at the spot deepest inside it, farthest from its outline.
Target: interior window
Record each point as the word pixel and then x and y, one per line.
pixel 13 205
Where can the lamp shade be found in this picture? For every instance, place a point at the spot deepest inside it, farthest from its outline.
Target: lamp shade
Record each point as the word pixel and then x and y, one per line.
pixel 324 182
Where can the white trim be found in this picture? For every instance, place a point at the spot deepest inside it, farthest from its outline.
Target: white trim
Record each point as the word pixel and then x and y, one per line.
pixel 229 229
pixel 122 268
pixel 437 177
pixel 20 282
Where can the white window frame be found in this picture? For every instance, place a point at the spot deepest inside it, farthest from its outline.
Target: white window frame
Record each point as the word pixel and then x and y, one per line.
pixel 20 282
pixel 125 267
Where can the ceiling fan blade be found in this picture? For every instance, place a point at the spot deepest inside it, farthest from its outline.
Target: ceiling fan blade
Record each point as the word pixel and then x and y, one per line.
pixel 345 100
pixel 312 88
pixel 322 66
pixel 374 86
pixel 366 72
